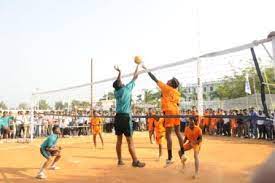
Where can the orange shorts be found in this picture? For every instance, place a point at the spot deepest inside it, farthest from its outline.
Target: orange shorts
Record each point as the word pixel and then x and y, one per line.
pixel 96 130
pixel 171 122
pixel 189 146
pixel 160 138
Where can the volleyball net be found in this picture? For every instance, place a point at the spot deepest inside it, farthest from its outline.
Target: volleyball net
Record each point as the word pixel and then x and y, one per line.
pixel 226 79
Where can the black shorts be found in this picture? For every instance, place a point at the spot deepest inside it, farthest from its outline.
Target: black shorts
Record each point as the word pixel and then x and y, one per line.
pixel 123 124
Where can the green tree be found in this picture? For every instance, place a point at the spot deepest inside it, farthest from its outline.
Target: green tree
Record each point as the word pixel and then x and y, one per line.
pixel 59 105
pixel 182 91
pixel 151 97
pixel 23 106
pixel 43 105
pixel 234 86
pixel 3 105
pixel 80 104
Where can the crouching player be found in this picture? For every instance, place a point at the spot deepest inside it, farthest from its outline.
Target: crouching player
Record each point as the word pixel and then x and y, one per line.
pixel 192 140
pixel 160 133
pixel 51 152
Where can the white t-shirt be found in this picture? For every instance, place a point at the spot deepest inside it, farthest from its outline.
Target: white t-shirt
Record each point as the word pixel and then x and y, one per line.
pixel 260 121
pixel 19 120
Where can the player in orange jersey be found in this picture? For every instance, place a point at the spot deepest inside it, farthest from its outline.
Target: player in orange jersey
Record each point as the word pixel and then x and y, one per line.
pixel 96 128
pixel 192 140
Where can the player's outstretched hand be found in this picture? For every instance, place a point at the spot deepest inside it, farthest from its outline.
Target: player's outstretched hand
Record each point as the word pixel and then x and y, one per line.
pixel 117 68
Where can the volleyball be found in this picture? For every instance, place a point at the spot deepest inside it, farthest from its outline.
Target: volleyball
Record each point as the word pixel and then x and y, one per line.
pixel 138 60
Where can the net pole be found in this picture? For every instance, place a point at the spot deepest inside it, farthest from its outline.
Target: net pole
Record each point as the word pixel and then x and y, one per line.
pixel 273 46
pixel 261 81
pixel 199 68
pixel 32 117
pixel 255 92
pixel 92 85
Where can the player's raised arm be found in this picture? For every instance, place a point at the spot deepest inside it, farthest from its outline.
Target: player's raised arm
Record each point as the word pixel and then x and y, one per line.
pixel 136 73
pixel 152 76
pixel 119 72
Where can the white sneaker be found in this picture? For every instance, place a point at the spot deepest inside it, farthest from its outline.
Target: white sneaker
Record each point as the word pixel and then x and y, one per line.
pixel 54 168
pixel 41 176
pixel 183 160
pixel 169 162
pixel 195 176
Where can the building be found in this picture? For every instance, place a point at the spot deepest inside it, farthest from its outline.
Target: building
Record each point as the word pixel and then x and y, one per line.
pixel 208 89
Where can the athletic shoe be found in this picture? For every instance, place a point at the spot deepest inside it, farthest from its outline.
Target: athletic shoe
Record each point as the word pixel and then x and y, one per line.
pixel 138 164
pixel 120 163
pixel 195 176
pixel 54 168
pixel 41 176
pixel 183 160
pixel 169 162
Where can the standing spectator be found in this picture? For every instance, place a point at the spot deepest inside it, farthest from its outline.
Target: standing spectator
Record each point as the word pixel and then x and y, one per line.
pixel 35 127
pixel 253 116
pixel 240 122
pixel 27 125
pixel 4 125
pixel 62 126
pixel 67 122
pixel 260 124
pixel 226 125
pixel 233 123
pixel 219 122
pixel 12 125
pixel 206 122
pixel 143 122
pixel 183 121
pixel 20 118
pixel 80 124
pixel 268 124
pixel 38 129
pixel 213 123
pixel 45 126
pixel 50 124
pixel 247 123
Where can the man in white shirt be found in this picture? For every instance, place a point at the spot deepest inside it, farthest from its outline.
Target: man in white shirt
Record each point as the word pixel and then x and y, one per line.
pixel 19 121
pixel 260 125
pixel 27 124
pixel 226 125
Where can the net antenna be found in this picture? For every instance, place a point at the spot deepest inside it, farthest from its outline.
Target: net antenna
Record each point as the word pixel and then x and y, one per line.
pixel 202 58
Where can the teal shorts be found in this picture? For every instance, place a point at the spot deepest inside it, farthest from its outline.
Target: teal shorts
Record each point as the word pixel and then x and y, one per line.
pixel 46 154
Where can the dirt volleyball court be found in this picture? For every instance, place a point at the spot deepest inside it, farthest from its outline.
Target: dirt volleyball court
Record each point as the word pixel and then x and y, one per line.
pixel 223 160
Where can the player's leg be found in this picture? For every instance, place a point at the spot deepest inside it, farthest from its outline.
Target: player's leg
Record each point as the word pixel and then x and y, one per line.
pixel 179 136
pixel 56 159
pixel 118 149
pixel 94 139
pixel 150 136
pixel 49 159
pixel 197 163
pixel 101 138
pixel 168 135
pixel 131 148
pixel 160 150
pixel 186 147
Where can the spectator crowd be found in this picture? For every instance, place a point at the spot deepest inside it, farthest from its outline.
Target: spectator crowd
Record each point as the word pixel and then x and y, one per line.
pixel 246 123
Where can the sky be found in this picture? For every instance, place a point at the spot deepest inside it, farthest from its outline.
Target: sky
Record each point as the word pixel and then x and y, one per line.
pixel 48 44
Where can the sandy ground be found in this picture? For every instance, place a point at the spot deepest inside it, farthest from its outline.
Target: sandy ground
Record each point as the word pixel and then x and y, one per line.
pixel 223 160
